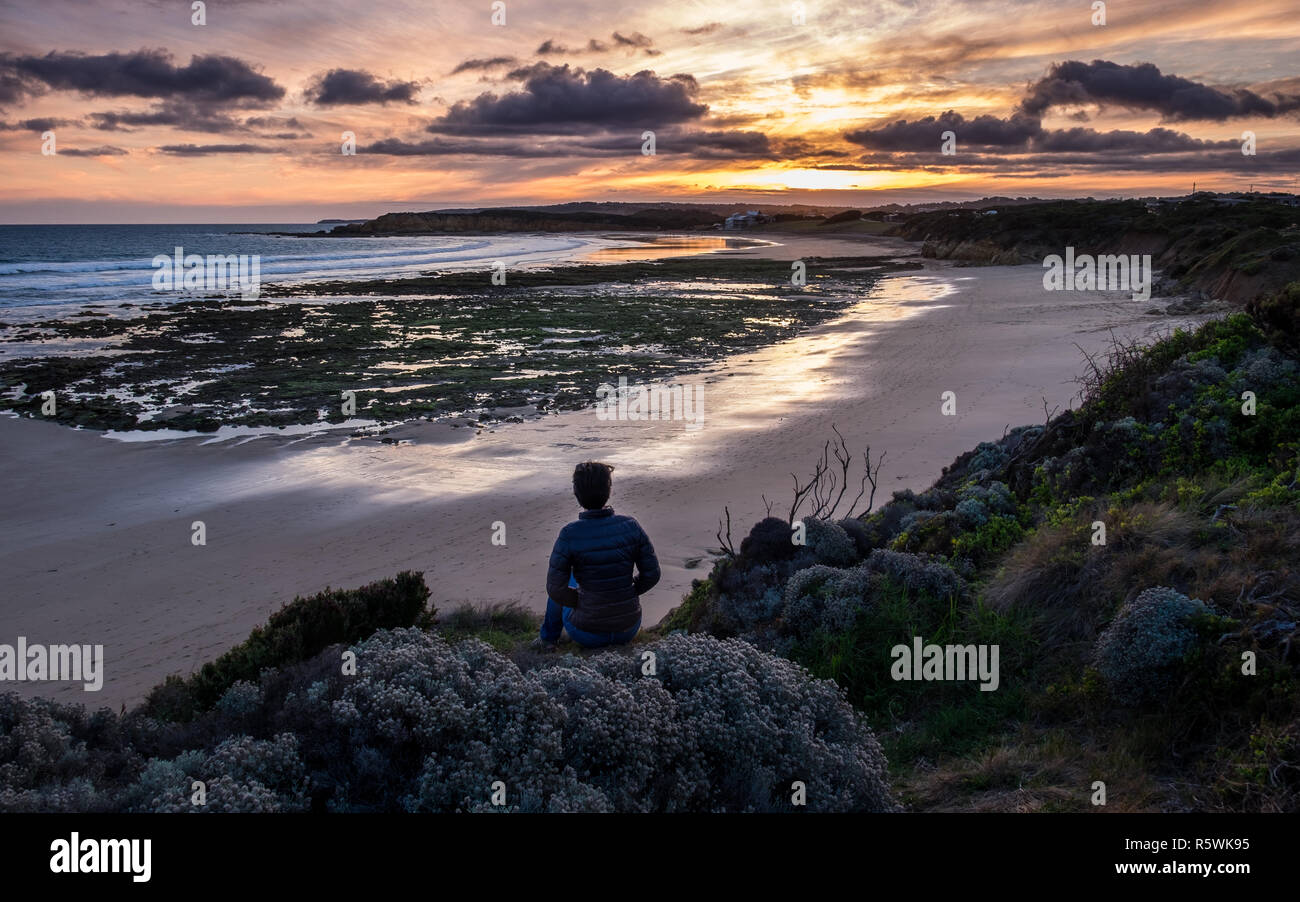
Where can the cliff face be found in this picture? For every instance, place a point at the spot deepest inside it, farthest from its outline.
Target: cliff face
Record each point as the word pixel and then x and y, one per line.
pixel 506 220
pixel 1234 253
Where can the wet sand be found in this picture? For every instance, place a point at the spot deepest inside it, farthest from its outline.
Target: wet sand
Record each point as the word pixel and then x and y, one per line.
pixel 95 540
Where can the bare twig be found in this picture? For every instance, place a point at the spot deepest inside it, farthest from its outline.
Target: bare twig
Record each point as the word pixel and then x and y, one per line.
pixel 726 544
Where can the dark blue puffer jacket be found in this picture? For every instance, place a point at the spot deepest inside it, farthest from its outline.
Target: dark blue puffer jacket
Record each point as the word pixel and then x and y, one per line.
pixel 600 549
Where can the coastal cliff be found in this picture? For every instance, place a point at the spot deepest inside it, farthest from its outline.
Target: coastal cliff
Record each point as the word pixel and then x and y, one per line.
pixel 1203 247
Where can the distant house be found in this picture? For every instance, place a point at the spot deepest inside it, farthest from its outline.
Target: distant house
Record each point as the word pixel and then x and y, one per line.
pixel 744 220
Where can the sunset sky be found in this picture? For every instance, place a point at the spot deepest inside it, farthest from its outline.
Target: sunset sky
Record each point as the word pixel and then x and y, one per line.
pixel 157 119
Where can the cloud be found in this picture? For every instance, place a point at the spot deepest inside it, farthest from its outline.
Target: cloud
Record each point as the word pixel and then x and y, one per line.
pixel 925 134
pixel 273 122
pixel 36 125
pixel 440 147
pixel 634 41
pixel 141 73
pixel 1143 86
pixel 198 150
pixel 475 65
pixel 339 87
pixel 176 114
pixel 102 151
pixel 1021 134
pixel 708 28
pixel 558 99
pixel 698 144
pixel 1154 141
pixel 14 89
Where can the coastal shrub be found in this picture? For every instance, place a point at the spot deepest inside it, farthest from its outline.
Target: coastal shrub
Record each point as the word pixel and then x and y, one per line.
pixel 296 632
pixel 241 775
pixel 429 726
pixel 53 756
pixel 1138 654
pixel 1278 316
pixel 746 591
pixel 989 539
pixel 917 573
pixel 768 541
pixel 829 543
pixel 831 599
pixel 989 456
pixel 822 597
pixel 972 513
pixel 858 532
pixel 995 496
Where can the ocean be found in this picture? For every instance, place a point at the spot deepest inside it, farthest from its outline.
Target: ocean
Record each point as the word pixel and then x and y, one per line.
pixel 43 265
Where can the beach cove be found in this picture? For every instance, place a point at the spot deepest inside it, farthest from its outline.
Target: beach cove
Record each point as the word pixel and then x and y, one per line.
pixel 97 535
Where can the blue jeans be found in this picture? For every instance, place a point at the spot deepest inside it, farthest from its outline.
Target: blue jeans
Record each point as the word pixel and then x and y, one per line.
pixel 558 617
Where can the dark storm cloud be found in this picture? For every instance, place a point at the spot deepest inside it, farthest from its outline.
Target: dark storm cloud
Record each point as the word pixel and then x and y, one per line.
pixel 1022 134
pixel 924 134
pixel 102 151
pixel 273 122
pixel 36 125
pixel 698 144
pixel 14 89
pixel 441 147
pixel 558 99
pixel 141 73
pixel 340 87
pixel 183 116
pixel 1143 86
pixel 1155 141
pixel 199 150
pixel 476 65
pixel 1032 165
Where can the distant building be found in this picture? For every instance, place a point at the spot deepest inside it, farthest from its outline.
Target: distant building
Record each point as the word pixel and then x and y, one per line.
pixel 744 220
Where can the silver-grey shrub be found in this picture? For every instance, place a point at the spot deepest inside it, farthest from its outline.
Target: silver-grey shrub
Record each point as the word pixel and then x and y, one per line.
pixel 1138 654
pixel 720 726
pixel 829 543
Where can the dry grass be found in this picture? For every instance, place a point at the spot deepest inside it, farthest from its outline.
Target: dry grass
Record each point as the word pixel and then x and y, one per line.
pixel 1037 769
pixel 1236 560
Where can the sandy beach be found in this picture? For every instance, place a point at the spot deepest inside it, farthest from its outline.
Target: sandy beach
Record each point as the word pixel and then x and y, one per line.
pixel 95 541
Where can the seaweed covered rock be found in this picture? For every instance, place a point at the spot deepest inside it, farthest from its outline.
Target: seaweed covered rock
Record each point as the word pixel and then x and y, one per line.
pixel 1139 654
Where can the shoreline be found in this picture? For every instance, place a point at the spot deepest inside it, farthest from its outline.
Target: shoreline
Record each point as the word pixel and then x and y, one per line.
pixel 97 541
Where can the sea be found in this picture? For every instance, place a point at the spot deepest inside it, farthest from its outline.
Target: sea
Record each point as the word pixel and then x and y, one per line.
pixel 45 265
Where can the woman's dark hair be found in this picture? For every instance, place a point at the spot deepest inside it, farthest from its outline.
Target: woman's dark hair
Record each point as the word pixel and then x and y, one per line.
pixel 591 484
